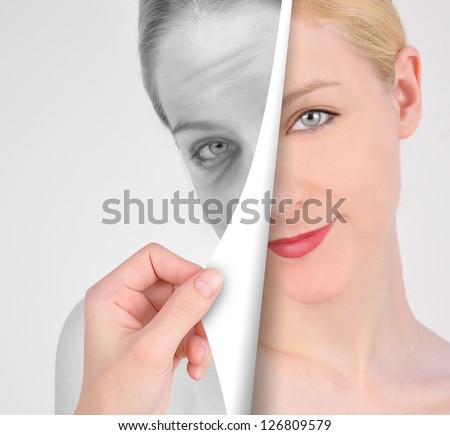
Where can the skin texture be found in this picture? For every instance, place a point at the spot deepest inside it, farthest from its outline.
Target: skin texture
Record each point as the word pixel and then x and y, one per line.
pixel 215 88
pixel 337 334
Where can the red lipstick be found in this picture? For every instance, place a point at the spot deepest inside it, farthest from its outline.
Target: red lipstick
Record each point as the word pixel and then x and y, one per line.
pixel 301 245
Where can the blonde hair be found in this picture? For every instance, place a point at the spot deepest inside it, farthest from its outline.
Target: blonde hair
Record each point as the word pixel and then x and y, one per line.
pixel 372 27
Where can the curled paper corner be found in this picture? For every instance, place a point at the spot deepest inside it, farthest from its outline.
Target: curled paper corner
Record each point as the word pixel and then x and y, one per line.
pixel 232 325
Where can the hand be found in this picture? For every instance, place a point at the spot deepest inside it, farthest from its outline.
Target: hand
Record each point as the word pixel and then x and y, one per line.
pixel 140 321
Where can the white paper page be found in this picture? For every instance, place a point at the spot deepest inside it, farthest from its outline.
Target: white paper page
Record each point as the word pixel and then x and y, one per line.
pixel 232 325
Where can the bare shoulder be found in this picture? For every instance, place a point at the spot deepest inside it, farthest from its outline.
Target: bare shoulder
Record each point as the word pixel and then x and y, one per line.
pixel 72 334
pixel 443 408
pixel 436 354
pixel 436 372
pixel 69 361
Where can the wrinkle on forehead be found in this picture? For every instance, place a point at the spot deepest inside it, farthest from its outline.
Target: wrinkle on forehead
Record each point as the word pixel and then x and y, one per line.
pixel 236 75
pixel 215 60
pixel 226 64
pixel 212 60
pixel 241 83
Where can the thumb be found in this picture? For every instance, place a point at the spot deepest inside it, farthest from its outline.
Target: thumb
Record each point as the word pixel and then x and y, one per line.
pixel 184 309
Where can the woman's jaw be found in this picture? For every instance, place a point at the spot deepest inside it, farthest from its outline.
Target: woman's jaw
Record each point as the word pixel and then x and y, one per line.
pixel 349 329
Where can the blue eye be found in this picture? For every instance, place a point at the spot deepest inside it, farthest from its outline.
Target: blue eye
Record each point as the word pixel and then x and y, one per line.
pixel 312 120
pixel 212 154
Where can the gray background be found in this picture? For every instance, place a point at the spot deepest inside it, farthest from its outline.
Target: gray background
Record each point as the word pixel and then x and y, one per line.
pixel 77 128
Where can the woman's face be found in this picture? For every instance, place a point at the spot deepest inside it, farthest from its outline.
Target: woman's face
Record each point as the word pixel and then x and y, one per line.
pixel 339 131
pixel 212 78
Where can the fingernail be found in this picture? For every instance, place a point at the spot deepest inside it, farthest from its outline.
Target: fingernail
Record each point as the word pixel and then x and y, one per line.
pixel 203 352
pixel 199 372
pixel 208 283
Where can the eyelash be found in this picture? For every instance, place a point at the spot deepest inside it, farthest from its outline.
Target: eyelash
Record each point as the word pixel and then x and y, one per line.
pixel 319 128
pixel 200 162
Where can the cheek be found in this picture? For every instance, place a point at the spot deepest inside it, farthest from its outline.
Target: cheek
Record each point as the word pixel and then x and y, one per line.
pixel 373 176
pixel 361 164
pixel 223 182
pixel 223 186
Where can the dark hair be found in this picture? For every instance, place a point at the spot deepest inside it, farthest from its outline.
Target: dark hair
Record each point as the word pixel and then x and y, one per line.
pixel 157 17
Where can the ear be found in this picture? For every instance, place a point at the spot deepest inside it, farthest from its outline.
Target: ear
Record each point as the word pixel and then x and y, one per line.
pixel 408 91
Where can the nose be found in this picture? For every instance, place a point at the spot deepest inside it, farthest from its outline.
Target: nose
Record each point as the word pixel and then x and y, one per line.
pixel 290 189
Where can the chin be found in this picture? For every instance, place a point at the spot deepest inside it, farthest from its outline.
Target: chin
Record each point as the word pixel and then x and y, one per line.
pixel 316 279
pixel 314 291
pixel 315 295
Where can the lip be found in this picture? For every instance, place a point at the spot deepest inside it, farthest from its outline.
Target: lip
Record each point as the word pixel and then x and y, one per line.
pixel 301 245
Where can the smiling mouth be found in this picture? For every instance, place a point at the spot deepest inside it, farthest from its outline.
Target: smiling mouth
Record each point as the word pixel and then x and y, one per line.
pixel 301 245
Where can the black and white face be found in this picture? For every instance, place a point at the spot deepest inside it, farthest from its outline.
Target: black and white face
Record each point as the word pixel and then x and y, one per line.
pixel 212 78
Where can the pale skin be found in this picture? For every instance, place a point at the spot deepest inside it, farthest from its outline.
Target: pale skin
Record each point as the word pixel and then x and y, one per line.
pixel 337 333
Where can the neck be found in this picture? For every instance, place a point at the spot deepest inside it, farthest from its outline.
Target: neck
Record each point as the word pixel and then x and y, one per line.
pixel 362 330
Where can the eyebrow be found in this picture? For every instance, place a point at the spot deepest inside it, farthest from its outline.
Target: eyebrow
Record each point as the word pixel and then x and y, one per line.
pixel 308 89
pixel 287 100
pixel 196 125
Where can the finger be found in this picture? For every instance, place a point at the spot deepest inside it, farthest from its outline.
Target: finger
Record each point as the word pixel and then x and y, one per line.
pixel 147 266
pixel 197 373
pixel 143 306
pixel 199 328
pixel 183 310
pixel 197 350
pixel 159 293
pixel 181 351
